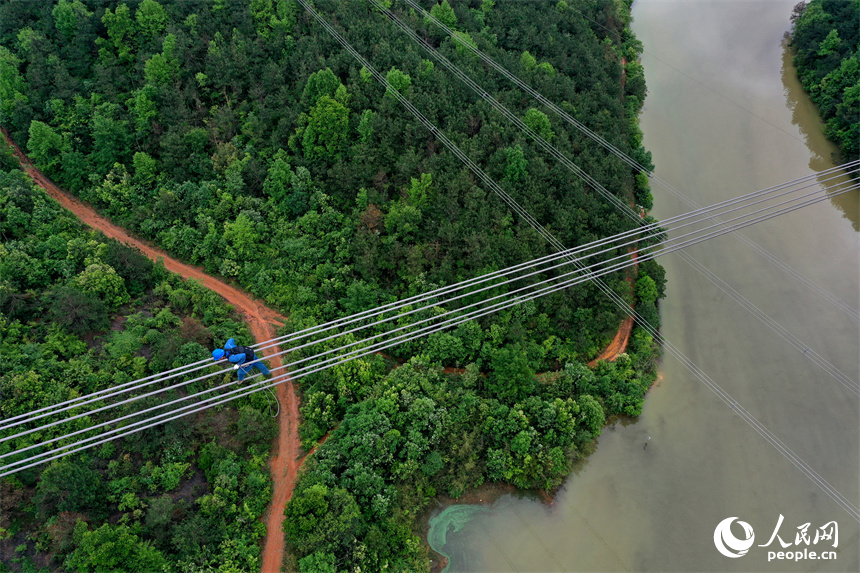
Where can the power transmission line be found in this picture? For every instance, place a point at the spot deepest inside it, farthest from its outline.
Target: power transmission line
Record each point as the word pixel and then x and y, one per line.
pixel 349 48
pixel 571 279
pixel 680 221
pixel 626 209
pixel 588 277
pixel 623 207
pixel 609 245
pixel 846 308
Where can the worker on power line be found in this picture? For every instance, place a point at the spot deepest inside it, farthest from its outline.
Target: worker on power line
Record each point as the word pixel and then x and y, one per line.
pixel 242 358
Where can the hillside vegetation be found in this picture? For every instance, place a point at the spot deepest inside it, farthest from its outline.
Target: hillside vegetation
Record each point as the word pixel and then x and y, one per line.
pixel 826 35
pixel 78 314
pixel 239 136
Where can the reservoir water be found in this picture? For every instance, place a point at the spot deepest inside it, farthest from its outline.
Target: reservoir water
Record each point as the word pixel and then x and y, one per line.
pixel 725 115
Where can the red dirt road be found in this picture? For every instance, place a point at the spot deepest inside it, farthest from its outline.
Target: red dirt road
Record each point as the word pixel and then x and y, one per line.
pixel 618 344
pixel 262 320
pixel 622 337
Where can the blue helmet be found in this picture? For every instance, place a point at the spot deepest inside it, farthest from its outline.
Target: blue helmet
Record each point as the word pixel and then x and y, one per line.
pixel 217 354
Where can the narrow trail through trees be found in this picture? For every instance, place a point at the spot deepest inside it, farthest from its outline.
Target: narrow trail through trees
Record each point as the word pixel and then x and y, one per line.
pixel 618 344
pixel 263 321
pixel 286 460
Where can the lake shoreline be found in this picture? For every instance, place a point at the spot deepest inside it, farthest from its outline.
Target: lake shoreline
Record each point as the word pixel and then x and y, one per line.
pixel 485 494
pixel 489 493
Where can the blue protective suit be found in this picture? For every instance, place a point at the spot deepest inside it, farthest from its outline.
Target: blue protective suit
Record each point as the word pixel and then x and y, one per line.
pixel 244 361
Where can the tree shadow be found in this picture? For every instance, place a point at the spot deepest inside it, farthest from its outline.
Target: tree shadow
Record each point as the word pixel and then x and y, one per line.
pixel 824 154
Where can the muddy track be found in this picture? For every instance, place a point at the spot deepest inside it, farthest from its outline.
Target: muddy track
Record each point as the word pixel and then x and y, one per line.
pixel 618 344
pixel 262 320
pixel 622 337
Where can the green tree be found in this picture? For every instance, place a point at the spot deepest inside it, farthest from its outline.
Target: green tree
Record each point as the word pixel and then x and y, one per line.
pixel 243 237
pixel 142 108
pixel 28 391
pixel 12 85
pixel 151 17
pixel 365 126
pixel 254 427
pixel 44 145
pixel 160 513
pixel 547 68
pixel 825 36
pixel 646 289
pixel 642 191
pixel 110 137
pixel 318 562
pixel 420 191
pixel 398 80
pixel 145 169
pixel 403 221
pixel 289 192
pixel 162 69
pixel 102 280
pixel 444 13
pixel 120 30
pixel 320 518
pixel 830 44
pixel 843 127
pixel 70 485
pixel 527 61
pixel 132 265
pixel 512 378
pixel 327 131
pixel 81 312
pixel 516 165
pixel 592 414
pixel 112 548
pixel 462 40
pixel 271 16
pixel 278 178
pixel 68 17
pixel 538 121
pixel 320 83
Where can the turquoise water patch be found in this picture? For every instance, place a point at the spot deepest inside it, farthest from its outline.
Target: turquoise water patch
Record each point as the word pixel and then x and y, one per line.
pixel 453 517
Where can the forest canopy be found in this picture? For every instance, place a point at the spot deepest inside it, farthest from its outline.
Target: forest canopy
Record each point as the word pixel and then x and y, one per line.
pixel 80 314
pixel 240 137
pixel 826 35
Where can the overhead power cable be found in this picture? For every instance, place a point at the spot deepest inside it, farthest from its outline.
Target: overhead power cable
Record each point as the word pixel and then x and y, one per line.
pixel 204 363
pixel 202 366
pixel 589 276
pixel 812 285
pixel 349 48
pixel 772 324
pixel 777 328
pixel 570 279
pixel 338 360
pixel 745 303
pixel 610 245
pixel 807 351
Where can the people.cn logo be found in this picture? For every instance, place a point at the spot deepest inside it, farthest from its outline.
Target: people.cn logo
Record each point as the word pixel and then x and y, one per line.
pixel 727 543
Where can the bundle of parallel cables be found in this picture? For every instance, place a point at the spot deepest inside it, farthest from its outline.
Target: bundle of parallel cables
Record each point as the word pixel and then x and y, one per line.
pixel 123 410
pixel 390 325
